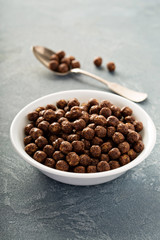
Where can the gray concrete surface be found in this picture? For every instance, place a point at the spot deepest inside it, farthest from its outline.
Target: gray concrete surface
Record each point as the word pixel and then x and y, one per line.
pixel 33 206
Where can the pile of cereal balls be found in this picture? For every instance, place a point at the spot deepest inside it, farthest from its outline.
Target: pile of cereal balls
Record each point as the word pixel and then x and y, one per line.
pixel 60 63
pixel 87 138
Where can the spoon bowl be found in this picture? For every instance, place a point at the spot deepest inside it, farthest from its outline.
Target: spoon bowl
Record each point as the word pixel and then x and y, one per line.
pixel 44 54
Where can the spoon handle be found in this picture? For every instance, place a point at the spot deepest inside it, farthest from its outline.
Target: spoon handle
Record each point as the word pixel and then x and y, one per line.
pixel 115 87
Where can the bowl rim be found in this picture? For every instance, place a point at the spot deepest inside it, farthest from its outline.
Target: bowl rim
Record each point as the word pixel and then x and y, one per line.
pixel 112 172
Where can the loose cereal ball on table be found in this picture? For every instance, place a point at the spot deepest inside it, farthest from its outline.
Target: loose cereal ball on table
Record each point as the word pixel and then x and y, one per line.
pixel 124 147
pixel 106 147
pixel 49 115
pixel 91 169
pixel 31 148
pixel 132 154
pixel 100 131
pixel 110 131
pixel 132 136
pixel 104 157
pixel 65 147
pixel 88 133
pixel 41 141
pixel 50 162
pixel 73 137
pixel 73 102
pixel 97 61
pixel 85 160
pixel 58 155
pixel 27 128
pixel 40 156
pixel 112 121
pixel 138 146
pixel 94 109
pixel 126 111
pixel 79 169
pixel 124 159
pixel 54 128
pixel 35 133
pixel 48 149
pixel 114 164
pixel 78 146
pixel 118 137
pixel 72 159
pixel 138 126
pixel 95 150
pixel 97 141
pixel 122 128
pixel 103 166
pixel 105 111
pixel 61 103
pixel 100 120
pixel 33 116
pixel 114 153
pixel 66 127
pixel 27 140
pixel 79 124
pixel 62 165
pixel 111 66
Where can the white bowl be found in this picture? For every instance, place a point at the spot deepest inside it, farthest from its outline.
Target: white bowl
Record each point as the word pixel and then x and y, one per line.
pixel 19 122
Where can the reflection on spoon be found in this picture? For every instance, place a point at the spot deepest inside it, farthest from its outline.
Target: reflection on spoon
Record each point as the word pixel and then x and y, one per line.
pixel 43 55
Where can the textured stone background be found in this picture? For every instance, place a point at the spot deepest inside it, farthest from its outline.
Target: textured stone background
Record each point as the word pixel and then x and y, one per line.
pixel 33 206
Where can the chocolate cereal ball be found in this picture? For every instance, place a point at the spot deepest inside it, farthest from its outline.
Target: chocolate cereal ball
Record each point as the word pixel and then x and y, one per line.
pixel 110 131
pixel 33 116
pixel 129 119
pixel 40 156
pixel 27 140
pixel 40 119
pixel 72 159
pixel 62 165
pixel 100 131
pixel 63 68
pixel 138 146
pixel 78 146
pixel 97 61
pixel 43 126
pixel 94 161
pixel 88 133
pixel 124 147
pixel 100 120
pixel 111 66
pixel 94 109
pixel 106 147
pixel 61 54
pixel 49 115
pixel 75 112
pixel 114 153
pixel 66 60
pixel 50 162
pixel 138 126
pixel 35 133
pixel 132 154
pixel 79 124
pixel 105 103
pixel 112 121
pixel 105 111
pixel 59 113
pixel 75 64
pixel 116 111
pixel 48 149
pixel 103 166
pixel 85 160
pixel 87 144
pixel 95 151
pixel 73 102
pixel 65 147
pixel 54 57
pixel 114 164
pixel 51 106
pixel 91 169
pixel 27 128
pixel 122 128
pixel 58 155
pixel 31 148
pixel 92 117
pixel 61 103
pixel 92 101
pixel 60 120
pixel 41 141
pixel 84 116
pixel 118 137
pixel 92 125
pixel 53 65
pixel 97 141
pixel 126 111
pixel 132 136
pixel 57 143
pixel 54 128
pixel 73 137
pixel 79 169
pixel 124 159
pixel 66 127
pixel 104 157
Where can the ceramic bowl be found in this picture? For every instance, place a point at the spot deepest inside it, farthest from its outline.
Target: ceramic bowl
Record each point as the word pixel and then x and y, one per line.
pixel 20 120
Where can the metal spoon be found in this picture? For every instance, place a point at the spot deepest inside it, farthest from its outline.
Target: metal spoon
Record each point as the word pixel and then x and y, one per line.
pixel 43 55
